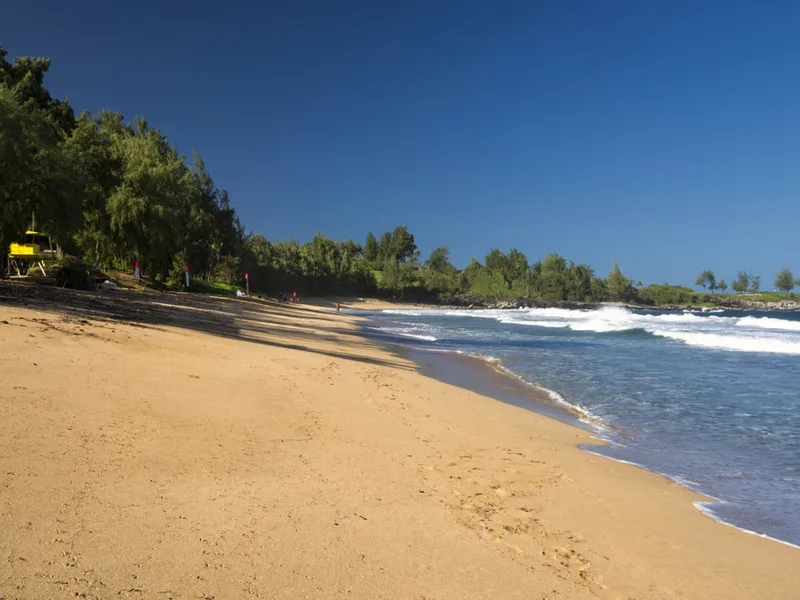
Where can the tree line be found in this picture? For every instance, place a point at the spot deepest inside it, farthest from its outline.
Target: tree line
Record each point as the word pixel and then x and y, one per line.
pixel 115 193
pixel 746 283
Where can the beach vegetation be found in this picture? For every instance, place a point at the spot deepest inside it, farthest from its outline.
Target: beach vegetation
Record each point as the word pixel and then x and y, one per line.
pixel 707 279
pixel 741 283
pixel 657 295
pixel 620 288
pixel 785 281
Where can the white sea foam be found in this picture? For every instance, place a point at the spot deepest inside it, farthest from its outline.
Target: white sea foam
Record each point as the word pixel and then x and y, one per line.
pixel 707 509
pixel 484 357
pixel 614 458
pixel 406 332
pixel 583 413
pixel 733 342
pixel 739 334
pixel 553 324
pixel 769 323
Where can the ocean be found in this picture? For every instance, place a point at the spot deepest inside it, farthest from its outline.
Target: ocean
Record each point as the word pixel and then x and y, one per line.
pixel 709 399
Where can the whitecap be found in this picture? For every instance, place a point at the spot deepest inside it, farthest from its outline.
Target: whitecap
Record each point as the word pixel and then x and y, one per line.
pixel 769 323
pixel 732 342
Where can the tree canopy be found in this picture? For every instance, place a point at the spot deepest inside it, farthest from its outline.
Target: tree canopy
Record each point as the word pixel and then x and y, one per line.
pixel 741 283
pixel 707 279
pixel 619 287
pixel 755 284
pixel 785 281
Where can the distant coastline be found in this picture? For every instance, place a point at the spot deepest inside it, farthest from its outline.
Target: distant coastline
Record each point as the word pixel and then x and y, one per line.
pixel 709 302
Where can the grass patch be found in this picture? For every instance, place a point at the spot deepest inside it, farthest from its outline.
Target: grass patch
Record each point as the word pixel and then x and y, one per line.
pixel 668 294
pixel 766 297
pixel 210 287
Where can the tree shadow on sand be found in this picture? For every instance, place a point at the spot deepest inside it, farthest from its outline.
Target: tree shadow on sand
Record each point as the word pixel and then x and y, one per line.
pixel 246 319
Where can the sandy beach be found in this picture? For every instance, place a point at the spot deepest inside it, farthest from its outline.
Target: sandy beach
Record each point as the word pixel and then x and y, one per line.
pixel 185 446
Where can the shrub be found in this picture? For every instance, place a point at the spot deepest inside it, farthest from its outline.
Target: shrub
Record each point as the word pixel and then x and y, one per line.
pixel 76 274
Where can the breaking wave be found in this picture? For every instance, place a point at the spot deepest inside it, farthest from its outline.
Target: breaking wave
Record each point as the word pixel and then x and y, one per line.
pixel 699 329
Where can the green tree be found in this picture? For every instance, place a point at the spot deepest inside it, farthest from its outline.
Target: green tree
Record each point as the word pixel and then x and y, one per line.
pixel 599 290
pixel 473 269
pixel 398 276
pixel 755 284
pixel 212 242
pixel 722 286
pixel 517 265
pixel 260 249
pixel 741 283
pixel 146 209
pixel 26 77
pixel 619 287
pixel 707 280
pixel 288 259
pixel 371 248
pixel 496 262
pixel 785 281
pixel 579 283
pixel 350 252
pixel 439 260
pixel 385 247
pixel 38 173
pixel 319 257
pixel 438 274
pixel 551 277
pixel 403 247
pixel 93 143
pixel 511 267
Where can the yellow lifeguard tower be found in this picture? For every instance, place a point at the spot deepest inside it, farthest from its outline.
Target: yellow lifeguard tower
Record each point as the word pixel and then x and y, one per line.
pixel 34 252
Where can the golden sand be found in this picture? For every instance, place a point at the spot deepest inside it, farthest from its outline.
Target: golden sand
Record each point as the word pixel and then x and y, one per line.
pixel 176 446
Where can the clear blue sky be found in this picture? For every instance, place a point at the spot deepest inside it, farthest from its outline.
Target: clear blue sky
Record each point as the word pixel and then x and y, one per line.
pixel 665 134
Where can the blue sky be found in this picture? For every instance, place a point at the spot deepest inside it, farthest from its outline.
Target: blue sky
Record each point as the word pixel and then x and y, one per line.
pixel 663 134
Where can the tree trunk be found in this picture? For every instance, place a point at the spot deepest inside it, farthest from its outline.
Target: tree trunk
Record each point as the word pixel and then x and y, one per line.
pixel 4 248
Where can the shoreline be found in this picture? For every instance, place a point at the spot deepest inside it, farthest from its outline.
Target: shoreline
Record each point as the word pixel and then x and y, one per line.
pixel 240 448
pixel 550 404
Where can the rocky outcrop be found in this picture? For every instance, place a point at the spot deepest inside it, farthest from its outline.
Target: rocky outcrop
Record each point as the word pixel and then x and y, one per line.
pixel 469 301
pixel 724 302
